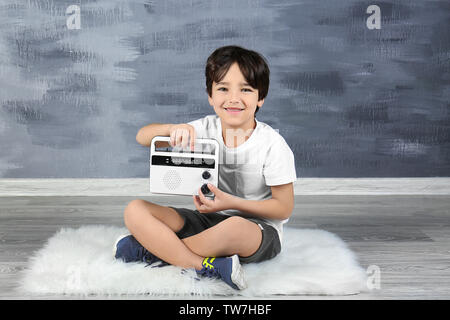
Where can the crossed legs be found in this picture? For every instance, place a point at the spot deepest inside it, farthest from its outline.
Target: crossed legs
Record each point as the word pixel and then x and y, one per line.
pixel 154 226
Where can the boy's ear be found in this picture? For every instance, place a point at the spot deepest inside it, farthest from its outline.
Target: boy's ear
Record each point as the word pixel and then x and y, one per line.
pixel 210 101
pixel 209 98
pixel 260 103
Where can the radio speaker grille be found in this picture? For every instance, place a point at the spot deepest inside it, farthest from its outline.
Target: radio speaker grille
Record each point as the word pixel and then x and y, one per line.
pixel 172 179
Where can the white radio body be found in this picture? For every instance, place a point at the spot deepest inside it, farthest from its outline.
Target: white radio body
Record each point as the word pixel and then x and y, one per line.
pixel 180 171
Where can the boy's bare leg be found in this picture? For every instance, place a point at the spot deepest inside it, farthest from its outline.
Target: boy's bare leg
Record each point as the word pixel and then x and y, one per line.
pixel 164 214
pixel 158 236
pixel 234 235
pixel 154 226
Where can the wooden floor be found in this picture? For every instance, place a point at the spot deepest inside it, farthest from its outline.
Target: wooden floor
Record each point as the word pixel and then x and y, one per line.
pixel 407 237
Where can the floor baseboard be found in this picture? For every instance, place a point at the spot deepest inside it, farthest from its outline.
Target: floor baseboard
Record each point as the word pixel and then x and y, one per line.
pixel 303 186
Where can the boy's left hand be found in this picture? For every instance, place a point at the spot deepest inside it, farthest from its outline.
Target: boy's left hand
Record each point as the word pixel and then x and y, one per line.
pixel 222 200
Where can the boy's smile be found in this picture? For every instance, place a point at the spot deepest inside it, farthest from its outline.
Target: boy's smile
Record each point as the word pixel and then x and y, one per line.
pixel 235 102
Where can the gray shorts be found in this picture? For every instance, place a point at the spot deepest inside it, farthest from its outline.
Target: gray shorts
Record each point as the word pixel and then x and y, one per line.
pixel 196 222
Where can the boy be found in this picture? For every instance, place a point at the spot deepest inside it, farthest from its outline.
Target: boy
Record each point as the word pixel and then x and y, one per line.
pixel 243 223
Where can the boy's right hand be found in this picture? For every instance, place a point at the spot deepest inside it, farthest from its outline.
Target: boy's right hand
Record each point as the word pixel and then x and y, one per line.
pixel 181 135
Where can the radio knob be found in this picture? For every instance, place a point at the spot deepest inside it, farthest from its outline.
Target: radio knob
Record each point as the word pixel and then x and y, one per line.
pixel 206 175
pixel 205 189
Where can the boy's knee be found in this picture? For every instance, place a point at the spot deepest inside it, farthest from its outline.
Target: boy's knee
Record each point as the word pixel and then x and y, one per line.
pixel 243 231
pixel 237 226
pixel 132 210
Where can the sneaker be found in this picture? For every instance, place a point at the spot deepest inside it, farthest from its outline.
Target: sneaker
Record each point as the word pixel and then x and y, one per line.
pixel 129 249
pixel 228 269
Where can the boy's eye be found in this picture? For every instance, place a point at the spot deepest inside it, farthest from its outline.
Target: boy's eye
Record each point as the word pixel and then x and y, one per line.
pixel 245 89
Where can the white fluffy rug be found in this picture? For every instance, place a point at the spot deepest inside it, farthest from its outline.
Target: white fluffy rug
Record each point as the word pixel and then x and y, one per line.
pixel 80 262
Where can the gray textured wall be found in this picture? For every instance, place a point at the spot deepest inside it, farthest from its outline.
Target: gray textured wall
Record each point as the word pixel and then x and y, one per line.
pixel 351 102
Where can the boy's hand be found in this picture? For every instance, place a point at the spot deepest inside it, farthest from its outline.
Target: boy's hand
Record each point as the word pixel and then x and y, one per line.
pixel 182 134
pixel 222 200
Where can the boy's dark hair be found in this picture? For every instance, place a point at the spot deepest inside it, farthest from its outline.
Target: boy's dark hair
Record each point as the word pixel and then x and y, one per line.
pixel 253 66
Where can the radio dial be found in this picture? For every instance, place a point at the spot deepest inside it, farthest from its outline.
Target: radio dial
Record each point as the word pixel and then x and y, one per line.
pixel 206 175
pixel 205 189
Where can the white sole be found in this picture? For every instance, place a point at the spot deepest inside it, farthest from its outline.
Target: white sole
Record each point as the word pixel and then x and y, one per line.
pixel 237 273
pixel 117 241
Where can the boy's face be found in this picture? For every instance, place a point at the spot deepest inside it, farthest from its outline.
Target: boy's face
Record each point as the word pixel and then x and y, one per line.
pixel 234 100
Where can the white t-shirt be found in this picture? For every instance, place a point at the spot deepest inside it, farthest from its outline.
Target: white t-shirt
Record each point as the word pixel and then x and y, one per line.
pixel 249 170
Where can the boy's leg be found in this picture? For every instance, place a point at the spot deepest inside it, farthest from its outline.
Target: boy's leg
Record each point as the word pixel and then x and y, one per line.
pixel 154 227
pixel 234 235
pixel 164 214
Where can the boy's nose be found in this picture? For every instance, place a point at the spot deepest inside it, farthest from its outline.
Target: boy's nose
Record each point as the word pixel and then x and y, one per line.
pixel 234 96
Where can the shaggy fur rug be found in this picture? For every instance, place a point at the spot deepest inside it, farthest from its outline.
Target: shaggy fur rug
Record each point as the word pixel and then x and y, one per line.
pixel 80 262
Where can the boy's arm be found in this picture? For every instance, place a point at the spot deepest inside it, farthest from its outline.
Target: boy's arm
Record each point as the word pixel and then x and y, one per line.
pixel 146 134
pixel 280 207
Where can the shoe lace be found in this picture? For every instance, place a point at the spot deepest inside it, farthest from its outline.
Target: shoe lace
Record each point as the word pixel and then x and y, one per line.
pixel 212 273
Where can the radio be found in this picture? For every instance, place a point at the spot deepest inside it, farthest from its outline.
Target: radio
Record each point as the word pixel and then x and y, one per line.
pixel 181 171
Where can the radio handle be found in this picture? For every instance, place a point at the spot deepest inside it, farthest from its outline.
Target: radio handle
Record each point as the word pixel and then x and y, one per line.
pixel 197 141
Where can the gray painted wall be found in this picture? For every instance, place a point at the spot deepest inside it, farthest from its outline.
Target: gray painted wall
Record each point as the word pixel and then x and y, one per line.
pixel 351 102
